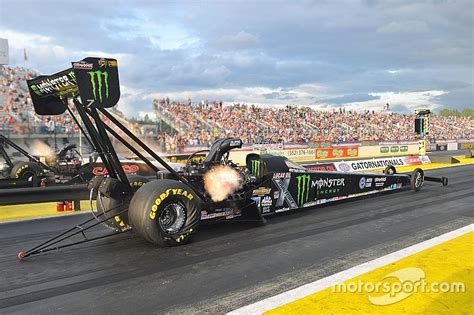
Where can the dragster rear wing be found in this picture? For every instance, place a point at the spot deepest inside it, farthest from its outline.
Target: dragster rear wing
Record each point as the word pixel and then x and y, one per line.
pixel 93 85
pixel 95 80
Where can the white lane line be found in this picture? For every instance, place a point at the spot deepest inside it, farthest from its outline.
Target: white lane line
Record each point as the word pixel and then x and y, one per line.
pixel 321 284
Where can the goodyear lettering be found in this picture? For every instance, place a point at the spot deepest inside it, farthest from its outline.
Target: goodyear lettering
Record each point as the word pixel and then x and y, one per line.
pixel 183 236
pixel 20 170
pixel 119 220
pixel 166 194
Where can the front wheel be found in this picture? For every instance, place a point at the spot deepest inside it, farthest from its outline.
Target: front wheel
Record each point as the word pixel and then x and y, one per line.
pixel 165 212
pixel 417 179
pixel 390 170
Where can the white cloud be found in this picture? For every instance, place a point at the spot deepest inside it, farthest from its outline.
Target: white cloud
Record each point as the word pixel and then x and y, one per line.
pixel 45 54
pixel 241 40
pixel 403 27
pixel 409 100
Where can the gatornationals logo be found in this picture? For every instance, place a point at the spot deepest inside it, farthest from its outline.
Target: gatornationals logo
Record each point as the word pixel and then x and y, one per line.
pixel 304 182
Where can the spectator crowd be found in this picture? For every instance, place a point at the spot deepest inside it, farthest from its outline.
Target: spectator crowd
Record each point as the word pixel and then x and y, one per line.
pixel 201 123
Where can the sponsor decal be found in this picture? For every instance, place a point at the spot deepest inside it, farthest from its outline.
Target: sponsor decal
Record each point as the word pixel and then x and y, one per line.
pixel 380 181
pixel 82 65
pixel 219 213
pixel 304 182
pixel 267 201
pixel 255 167
pixel 344 167
pixel 166 194
pixel 328 167
pixel 328 183
pixel 103 63
pixel 235 143
pixel 56 86
pixel 127 168
pixel 281 175
pixel 403 148
pixel 368 182
pixel 100 84
pixel 384 149
pixel 261 191
pixel 282 209
pixel 276 194
pixel 362 183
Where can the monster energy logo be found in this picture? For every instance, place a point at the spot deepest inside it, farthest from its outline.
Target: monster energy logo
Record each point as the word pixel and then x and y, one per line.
pixel 256 167
pixel 303 189
pixel 99 76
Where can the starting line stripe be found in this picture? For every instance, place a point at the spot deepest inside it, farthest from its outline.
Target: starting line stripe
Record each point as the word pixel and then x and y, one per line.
pixel 324 283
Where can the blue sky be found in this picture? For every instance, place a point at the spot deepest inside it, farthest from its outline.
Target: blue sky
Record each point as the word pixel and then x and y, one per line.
pixel 358 54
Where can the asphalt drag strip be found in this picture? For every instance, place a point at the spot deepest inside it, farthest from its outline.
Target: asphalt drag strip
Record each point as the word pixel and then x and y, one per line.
pixel 228 265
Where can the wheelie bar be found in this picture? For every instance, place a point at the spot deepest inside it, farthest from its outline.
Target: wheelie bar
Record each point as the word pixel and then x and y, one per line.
pixel 443 180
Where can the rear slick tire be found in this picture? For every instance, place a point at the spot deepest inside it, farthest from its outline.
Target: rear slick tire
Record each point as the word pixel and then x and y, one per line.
pixel 27 171
pixel 165 212
pixel 115 207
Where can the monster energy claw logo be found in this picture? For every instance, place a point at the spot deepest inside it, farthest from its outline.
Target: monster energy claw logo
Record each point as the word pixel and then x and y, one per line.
pixel 256 167
pixel 303 189
pixel 102 78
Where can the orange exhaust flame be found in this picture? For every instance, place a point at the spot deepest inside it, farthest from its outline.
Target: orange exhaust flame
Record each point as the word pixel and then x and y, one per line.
pixel 222 181
pixel 39 148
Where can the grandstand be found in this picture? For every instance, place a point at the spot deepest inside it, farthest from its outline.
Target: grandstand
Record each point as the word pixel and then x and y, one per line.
pixel 197 125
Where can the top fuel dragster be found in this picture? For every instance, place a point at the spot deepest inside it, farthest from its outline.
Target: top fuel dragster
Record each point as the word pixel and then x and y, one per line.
pixel 167 210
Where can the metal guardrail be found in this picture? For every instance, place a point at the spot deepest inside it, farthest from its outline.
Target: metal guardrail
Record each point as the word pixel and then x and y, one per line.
pixel 43 194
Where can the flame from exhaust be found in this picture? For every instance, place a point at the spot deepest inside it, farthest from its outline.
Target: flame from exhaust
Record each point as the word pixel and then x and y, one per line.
pixel 39 148
pixel 222 181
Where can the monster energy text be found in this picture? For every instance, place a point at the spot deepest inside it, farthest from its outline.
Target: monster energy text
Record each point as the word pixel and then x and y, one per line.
pixel 303 189
pixel 102 78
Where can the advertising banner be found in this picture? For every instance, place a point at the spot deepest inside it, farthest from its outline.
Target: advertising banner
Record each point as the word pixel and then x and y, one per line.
pixel 336 153
pixel 380 163
pixel 466 145
pixel 441 147
pixel 452 146
pixel 296 155
pixel 431 147
pixel 388 150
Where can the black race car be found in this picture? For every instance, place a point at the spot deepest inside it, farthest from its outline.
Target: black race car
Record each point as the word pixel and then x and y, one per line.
pixel 63 167
pixel 168 209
